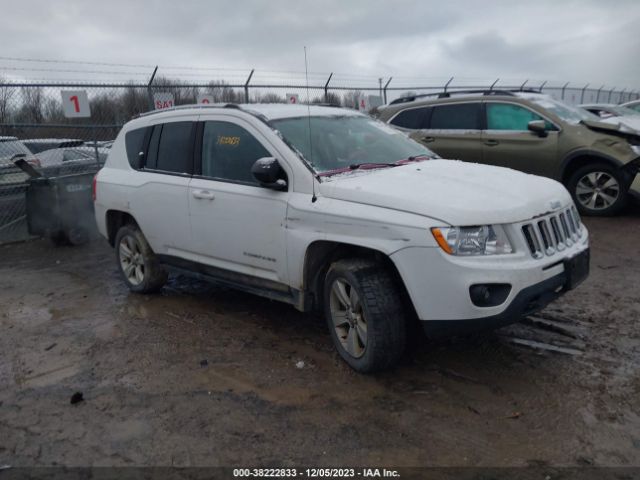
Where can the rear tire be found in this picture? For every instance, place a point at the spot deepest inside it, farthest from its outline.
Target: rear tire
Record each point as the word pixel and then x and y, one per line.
pixel 138 264
pixel 77 236
pixel 365 314
pixel 599 189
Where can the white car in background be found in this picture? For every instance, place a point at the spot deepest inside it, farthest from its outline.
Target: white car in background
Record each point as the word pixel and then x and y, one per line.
pixel 615 114
pixel 10 150
pixel 634 105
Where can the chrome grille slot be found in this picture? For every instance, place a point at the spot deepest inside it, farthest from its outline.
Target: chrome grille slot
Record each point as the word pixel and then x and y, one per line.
pixel 557 233
pixel 532 241
pixel 547 238
pixel 572 225
pixel 565 229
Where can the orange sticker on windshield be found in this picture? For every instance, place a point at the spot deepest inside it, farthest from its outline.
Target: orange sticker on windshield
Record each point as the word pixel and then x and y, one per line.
pixel 231 141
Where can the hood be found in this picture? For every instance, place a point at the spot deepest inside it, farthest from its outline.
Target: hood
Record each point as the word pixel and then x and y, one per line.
pixel 614 127
pixel 455 192
pixel 630 122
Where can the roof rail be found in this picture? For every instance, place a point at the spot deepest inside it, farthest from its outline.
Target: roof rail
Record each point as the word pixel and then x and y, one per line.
pixel 187 107
pixel 451 93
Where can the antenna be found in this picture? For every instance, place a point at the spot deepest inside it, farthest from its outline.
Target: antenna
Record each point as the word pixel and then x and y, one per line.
pixel 306 75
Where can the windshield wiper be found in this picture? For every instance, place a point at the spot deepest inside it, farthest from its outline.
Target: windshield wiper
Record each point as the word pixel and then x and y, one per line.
pixel 356 166
pixel 372 165
pixel 413 158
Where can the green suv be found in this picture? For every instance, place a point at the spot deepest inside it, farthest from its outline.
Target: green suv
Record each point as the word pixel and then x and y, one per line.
pixel 528 131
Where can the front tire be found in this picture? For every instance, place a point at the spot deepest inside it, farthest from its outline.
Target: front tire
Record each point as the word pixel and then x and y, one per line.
pixel 365 314
pixel 599 189
pixel 138 264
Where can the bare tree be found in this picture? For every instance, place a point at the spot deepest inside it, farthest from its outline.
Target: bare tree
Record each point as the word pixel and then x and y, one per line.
pixel 31 108
pixel 223 93
pixel 6 96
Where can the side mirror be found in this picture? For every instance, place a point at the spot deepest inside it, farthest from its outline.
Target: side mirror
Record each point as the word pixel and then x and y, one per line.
pixel 538 127
pixel 269 173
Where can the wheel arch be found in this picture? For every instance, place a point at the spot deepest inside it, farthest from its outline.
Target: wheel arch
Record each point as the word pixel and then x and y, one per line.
pixel 116 219
pixel 580 158
pixel 321 254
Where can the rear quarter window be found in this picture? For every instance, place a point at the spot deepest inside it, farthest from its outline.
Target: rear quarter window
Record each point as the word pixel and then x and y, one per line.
pixel 134 144
pixel 413 118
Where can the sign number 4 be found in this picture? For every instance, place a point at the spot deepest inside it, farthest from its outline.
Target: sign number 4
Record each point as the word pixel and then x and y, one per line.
pixel 75 104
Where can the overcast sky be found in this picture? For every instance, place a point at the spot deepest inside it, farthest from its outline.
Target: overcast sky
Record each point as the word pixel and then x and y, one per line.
pixel 577 41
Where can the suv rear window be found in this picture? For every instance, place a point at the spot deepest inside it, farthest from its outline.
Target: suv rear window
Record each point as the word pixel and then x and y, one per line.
pixel 462 116
pixel 171 147
pixel 414 118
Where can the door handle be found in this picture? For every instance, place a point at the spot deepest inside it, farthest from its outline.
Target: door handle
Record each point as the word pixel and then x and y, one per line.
pixel 203 194
pixel 491 142
pixel 428 139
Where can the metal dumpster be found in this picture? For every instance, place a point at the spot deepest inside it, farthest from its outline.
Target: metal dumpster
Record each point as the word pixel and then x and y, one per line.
pixel 61 208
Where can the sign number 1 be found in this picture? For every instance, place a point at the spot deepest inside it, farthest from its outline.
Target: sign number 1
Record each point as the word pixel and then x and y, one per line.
pixel 75 104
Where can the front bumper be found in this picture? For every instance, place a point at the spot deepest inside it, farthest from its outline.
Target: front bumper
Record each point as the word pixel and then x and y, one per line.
pixel 439 285
pixel 530 300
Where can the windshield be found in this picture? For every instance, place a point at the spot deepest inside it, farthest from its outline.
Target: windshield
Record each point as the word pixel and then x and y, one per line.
pixel 623 111
pixel 566 112
pixel 338 142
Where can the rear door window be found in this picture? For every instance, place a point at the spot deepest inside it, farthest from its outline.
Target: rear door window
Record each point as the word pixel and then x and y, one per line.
pixel 171 147
pixel 413 118
pixel 462 116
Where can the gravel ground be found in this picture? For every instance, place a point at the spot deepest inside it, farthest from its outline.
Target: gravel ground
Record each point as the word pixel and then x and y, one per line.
pixel 200 375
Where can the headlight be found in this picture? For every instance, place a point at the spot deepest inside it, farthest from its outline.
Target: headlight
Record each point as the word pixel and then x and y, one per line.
pixel 635 148
pixel 481 240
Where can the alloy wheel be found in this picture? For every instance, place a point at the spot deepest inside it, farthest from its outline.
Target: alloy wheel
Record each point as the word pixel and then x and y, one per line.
pixel 597 190
pixel 348 318
pixel 131 260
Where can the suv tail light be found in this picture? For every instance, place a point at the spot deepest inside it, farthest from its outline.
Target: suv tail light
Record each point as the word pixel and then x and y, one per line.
pixel 94 191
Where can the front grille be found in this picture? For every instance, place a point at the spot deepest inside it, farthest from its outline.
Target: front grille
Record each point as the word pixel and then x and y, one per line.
pixel 553 233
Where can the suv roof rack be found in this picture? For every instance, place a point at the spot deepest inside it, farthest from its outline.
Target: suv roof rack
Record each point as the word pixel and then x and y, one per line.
pixel 448 94
pixel 187 107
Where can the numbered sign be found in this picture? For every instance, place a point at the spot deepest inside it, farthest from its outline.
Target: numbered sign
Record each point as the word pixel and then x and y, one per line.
pixel 366 103
pixel 75 104
pixel 162 100
pixel 293 98
pixel 206 99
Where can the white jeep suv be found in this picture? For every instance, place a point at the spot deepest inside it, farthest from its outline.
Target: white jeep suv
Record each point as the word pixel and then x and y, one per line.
pixel 328 209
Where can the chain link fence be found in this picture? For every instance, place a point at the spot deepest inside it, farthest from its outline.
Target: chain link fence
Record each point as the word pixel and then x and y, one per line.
pixel 34 125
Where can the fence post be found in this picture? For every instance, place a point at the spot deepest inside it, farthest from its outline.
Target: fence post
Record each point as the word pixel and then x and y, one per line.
pixel 622 95
pixel 246 87
pixel 542 86
pixel 598 95
pixel 326 88
pixel 522 86
pixel 94 130
pixel 447 84
pixel 610 93
pixel 563 89
pixel 384 90
pixel 149 92
pixel 493 84
pixel 582 93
